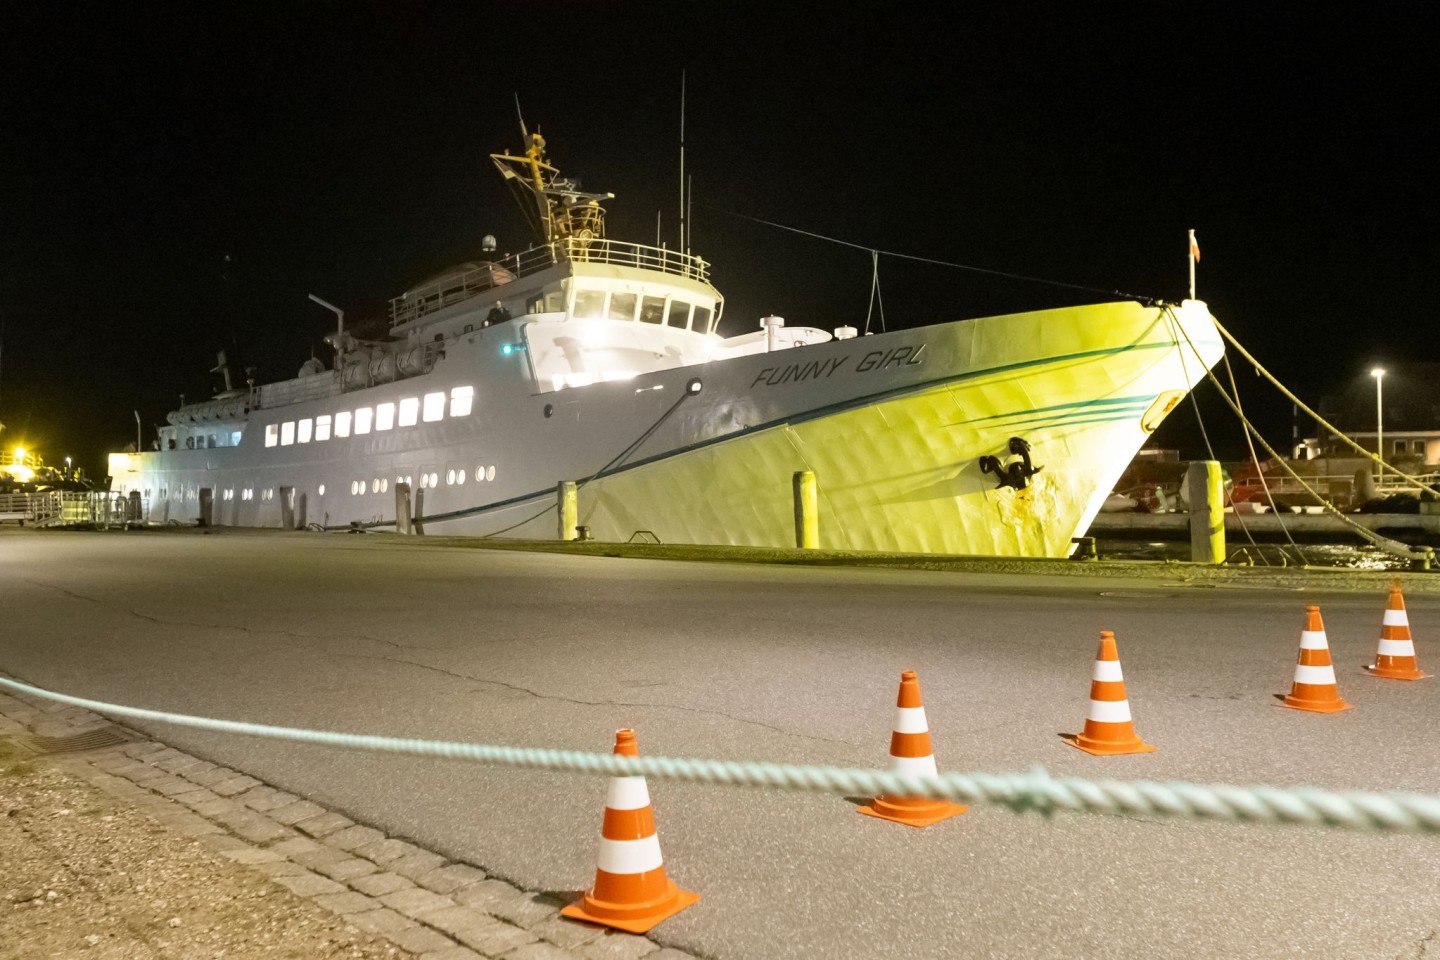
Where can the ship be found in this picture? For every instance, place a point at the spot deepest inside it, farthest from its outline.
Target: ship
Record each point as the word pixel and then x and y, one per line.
pixel 581 389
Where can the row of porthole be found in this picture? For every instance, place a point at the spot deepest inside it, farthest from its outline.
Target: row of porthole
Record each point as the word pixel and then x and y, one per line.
pixel 428 481
pixel 248 493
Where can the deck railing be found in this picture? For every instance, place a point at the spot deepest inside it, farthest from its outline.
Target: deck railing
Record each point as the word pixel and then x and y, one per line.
pixel 460 287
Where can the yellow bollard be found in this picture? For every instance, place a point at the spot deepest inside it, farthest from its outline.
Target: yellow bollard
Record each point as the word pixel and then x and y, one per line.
pixel 1207 512
pixel 567 507
pixel 807 511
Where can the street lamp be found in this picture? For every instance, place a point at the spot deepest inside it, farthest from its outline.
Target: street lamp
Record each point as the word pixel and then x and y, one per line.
pixel 67 466
pixel 1379 374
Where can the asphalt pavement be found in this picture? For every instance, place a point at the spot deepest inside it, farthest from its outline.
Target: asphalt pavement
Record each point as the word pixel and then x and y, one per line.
pixel 786 663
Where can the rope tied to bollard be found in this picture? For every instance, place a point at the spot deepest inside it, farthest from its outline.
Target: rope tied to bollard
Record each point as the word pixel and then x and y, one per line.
pixel 1032 791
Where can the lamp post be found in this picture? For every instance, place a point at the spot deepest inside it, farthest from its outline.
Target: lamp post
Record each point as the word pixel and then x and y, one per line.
pixel 1379 374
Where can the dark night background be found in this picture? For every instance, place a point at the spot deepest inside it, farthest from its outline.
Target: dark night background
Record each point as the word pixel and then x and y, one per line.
pixel 340 149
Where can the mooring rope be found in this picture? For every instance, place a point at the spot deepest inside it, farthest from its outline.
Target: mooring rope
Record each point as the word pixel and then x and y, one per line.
pixel 1020 792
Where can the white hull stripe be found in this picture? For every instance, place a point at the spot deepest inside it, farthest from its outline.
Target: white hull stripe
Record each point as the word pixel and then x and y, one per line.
pixel 1396 618
pixel 627 793
pixel 1396 648
pixel 1106 670
pixel 1314 675
pixel 910 720
pixel 1110 711
pixel 1314 640
pixel 629 856
pixel 914 766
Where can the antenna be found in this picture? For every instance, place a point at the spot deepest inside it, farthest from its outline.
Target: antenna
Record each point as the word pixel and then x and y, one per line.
pixel 524 134
pixel 683 246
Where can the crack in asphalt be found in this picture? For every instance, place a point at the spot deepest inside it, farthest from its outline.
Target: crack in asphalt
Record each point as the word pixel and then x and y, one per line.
pixel 600 703
pixel 255 631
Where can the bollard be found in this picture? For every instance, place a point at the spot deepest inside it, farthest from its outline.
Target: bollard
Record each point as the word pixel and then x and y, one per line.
pixel 567 509
pixel 1207 512
pixel 807 512
pixel 403 515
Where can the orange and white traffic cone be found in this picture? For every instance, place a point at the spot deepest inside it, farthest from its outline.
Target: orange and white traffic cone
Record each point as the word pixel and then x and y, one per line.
pixel 631 890
pixel 1395 659
pixel 911 755
pixel 1109 731
pixel 1314 688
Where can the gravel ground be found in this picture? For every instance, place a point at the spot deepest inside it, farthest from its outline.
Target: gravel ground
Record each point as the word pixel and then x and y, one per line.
pixel 87 877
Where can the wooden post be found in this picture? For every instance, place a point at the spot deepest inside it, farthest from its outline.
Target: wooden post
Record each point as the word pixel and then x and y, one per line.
pixel 567 507
pixel 807 510
pixel 1207 512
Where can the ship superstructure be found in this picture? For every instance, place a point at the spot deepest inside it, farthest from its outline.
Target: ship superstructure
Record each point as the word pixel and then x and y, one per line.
pixel 594 360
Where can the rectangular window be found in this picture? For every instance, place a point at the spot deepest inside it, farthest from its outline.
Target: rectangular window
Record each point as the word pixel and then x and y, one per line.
pixel 235 439
pixel 287 433
pixel 652 309
pixel 700 322
pixel 385 416
pixel 303 430
pixel 589 304
pixel 363 418
pixel 460 400
pixel 409 411
pixel 434 407
pixel 272 434
pixel 342 423
pixel 322 428
pixel 622 306
pixel 1419 447
pixel 679 315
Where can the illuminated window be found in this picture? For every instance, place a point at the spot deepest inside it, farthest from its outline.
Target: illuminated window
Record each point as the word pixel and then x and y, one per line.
pixel 354 487
pixel 434 479
pixel 272 434
pixel 342 423
pixel 479 474
pixel 287 433
pixel 449 477
pixel 460 476
pixel 385 416
pixel 490 472
pixel 322 489
pixel 409 411
pixel 303 430
pixel 235 439
pixel 461 399
pixel 434 407
pixel 384 484
pixel 589 304
pixel 363 418
pixel 424 481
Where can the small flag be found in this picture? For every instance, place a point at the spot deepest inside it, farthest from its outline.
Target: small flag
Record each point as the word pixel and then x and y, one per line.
pixel 1194 247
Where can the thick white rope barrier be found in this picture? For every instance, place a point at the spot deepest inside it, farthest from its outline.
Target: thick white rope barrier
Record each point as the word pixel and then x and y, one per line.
pixel 1021 792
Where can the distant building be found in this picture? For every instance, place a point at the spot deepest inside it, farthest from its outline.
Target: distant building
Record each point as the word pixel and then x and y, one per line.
pixel 1410 427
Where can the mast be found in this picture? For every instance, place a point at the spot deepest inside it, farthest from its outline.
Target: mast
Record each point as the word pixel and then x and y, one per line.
pixel 684 246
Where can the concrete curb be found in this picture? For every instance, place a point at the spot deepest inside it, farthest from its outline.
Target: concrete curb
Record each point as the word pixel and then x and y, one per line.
pixel 415 898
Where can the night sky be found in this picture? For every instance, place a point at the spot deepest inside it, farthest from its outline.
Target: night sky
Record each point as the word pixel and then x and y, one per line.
pixel 341 150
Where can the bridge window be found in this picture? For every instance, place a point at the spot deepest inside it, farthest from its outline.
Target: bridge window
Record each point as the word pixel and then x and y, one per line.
pixel 385 416
pixel 364 417
pixel 342 423
pixel 622 306
pixel 287 433
pixel 589 304
pixel 434 407
pixel 679 314
pixel 272 434
pixel 409 411
pixel 460 401
pixel 303 430
pixel 322 428
pixel 700 322
pixel 652 309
